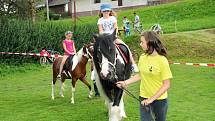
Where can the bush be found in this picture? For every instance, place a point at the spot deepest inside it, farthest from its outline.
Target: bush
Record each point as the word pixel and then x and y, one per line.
pixel 23 36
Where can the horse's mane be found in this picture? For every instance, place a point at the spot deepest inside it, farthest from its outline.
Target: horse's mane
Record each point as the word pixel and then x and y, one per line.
pixel 106 45
pixel 79 54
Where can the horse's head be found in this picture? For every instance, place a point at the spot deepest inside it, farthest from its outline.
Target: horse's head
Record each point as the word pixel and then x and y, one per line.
pixel 88 50
pixel 105 55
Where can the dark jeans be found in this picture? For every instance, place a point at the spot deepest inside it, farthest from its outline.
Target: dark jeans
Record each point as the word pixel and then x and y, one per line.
pixel 96 89
pixel 157 110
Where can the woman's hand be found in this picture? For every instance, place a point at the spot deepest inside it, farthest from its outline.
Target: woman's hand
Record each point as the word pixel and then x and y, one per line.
pixel 147 101
pixel 121 84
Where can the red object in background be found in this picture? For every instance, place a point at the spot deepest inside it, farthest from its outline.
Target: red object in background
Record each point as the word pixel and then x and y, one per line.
pixel 43 52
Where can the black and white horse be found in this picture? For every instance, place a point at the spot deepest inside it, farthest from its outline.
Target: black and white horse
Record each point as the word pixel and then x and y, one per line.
pixel 112 63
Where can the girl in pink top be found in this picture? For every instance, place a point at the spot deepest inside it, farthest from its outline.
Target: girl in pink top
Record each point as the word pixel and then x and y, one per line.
pixel 69 49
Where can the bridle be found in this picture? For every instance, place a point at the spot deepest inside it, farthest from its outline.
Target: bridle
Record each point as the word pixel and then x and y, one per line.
pixel 113 65
pixel 88 54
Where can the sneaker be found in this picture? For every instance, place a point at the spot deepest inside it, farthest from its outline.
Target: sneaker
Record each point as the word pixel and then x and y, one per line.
pixel 135 68
pixel 59 76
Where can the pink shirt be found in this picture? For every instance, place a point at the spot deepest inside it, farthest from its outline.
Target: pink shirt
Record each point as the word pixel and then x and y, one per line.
pixel 69 47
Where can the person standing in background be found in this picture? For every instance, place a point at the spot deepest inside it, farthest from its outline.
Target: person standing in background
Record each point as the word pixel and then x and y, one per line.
pixel 136 22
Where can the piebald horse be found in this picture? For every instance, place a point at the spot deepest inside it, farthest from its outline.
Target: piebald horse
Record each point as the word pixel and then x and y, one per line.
pixel 76 72
pixel 112 64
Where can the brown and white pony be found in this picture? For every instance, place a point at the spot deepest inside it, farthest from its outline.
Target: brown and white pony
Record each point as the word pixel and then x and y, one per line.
pixel 77 72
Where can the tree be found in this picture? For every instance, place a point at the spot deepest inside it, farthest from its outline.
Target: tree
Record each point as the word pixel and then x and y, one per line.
pixel 7 7
pixel 23 9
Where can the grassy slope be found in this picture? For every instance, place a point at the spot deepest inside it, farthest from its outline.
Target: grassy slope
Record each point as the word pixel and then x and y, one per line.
pixel 193 46
pixel 188 14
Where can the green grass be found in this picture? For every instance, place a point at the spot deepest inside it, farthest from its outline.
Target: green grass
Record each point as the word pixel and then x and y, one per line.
pixel 188 14
pixel 27 96
pixel 25 90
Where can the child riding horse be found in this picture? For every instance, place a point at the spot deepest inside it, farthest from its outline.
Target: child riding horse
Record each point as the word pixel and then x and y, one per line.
pixel 79 71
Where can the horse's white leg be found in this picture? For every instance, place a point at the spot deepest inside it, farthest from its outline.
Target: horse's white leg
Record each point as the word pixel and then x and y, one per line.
pixel 115 114
pixel 73 93
pixel 90 93
pixel 109 105
pixel 52 90
pixel 61 88
pixel 122 109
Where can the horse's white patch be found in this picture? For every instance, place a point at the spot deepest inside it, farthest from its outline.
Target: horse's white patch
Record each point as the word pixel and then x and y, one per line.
pixel 75 62
pixel 77 58
pixel 52 91
pixel 104 66
pixel 122 109
pixel 73 94
pixel 119 57
pixel 115 114
pixel 61 89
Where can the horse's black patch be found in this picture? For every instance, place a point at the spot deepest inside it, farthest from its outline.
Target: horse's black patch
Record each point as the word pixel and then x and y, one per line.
pixel 105 46
pixel 68 64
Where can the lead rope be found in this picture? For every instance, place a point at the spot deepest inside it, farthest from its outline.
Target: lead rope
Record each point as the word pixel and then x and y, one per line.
pixel 146 108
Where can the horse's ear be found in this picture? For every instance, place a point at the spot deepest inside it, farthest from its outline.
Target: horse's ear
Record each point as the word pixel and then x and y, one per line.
pixel 84 45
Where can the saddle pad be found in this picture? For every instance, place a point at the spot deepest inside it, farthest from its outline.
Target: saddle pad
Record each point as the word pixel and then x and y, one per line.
pixel 124 52
pixel 71 62
pixel 75 61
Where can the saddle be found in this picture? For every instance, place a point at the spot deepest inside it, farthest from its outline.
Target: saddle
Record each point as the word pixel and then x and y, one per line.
pixel 124 52
pixel 70 64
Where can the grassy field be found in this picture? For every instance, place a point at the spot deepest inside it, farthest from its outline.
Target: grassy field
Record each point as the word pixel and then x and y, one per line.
pixel 27 96
pixel 26 89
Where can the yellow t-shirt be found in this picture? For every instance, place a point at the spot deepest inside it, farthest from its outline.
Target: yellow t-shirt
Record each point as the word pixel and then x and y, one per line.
pixel 153 70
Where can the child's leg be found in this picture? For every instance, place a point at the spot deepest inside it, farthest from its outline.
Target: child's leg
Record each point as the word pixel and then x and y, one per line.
pixel 62 63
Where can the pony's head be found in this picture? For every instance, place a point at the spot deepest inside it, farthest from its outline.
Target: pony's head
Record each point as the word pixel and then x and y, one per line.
pixel 105 55
pixel 88 50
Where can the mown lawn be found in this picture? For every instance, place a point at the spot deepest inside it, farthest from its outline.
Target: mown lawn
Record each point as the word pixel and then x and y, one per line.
pixel 26 95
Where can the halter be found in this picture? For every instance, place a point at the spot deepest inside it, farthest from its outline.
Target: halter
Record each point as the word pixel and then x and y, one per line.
pixel 112 64
pixel 88 53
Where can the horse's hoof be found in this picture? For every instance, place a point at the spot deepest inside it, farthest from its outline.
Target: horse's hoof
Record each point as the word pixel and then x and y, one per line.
pixel 52 98
pixel 91 93
pixel 72 101
pixel 89 96
pixel 115 114
pixel 62 95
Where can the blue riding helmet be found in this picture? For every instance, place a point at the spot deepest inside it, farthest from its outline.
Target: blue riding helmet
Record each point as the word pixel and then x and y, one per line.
pixel 105 7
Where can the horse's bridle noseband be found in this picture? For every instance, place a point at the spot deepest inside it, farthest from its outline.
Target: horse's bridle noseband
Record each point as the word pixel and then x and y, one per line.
pixel 88 53
pixel 112 64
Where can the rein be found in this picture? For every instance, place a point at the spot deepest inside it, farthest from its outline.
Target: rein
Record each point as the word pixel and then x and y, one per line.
pixel 145 107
